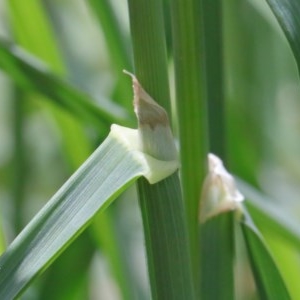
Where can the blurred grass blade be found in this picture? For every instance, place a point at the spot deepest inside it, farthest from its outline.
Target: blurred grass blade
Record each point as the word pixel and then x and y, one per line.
pixel 30 74
pixel 268 279
pixel 114 33
pixel 32 31
pixel 76 285
pixel 266 214
pixel 116 43
pixel 109 170
pixel 286 256
pixel 287 13
pixel 2 238
pixel 112 248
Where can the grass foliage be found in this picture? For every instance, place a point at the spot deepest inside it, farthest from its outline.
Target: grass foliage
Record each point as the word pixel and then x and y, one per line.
pixel 226 72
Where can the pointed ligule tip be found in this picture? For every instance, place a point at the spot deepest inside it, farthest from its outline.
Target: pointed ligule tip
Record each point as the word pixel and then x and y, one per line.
pixel 147 110
pixel 219 192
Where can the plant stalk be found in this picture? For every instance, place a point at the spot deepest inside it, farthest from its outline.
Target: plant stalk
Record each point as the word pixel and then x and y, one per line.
pixel 164 221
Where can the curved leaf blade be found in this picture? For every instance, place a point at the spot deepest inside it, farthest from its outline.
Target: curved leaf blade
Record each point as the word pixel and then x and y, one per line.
pixel 268 279
pixel 266 214
pixel 287 13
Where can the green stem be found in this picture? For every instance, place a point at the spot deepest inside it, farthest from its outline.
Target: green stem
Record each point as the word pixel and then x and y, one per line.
pixel 191 108
pixel 213 41
pixel 217 249
pixel 149 49
pixel 166 239
pixel 161 204
pixel 217 235
pixel 19 158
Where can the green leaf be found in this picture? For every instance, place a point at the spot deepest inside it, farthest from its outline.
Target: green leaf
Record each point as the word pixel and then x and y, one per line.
pixel 266 214
pixel 268 279
pixel 112 247
pixel 117 43
pixel 115 165
pixel 2 238
pixel 287 259
pixel 32 75
pixel 287 13
pixel 32 31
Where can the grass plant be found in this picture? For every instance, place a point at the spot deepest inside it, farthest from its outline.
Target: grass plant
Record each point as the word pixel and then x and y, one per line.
pixel 197 89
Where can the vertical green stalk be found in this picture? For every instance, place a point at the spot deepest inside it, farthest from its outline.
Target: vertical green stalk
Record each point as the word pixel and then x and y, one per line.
pixel 149 49
pixel 213 44
pixel 217 235
pixel 191 108
pixel 167 246
pixel 19 159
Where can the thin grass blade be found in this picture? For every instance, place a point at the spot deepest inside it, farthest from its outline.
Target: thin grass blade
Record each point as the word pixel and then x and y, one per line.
pixel 287 13
pixel 269 281
pixel 117 43
pixel 32 75
pixel 266 214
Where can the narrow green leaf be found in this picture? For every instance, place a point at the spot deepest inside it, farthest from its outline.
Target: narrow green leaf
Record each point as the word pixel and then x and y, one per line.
pixel 32 31
pixel 287 13
pixel 55 285
pixel 108 243
pixel 115 165
pixel 117 43
pixel 266 214
pixel 2 238
pixel 114 33
pixel 32 75
pixel 287 259
pixel 268 279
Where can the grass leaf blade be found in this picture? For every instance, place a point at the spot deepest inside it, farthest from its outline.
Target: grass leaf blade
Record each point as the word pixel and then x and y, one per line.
pixel 31 74
pixel 268 279
pixel 287 13
pixel 108 171
pixel 266 214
